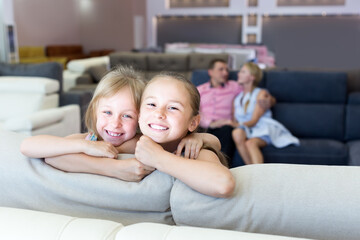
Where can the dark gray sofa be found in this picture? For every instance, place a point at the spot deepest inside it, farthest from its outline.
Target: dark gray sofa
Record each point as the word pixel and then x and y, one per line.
pixel 51 70
pixel 317 108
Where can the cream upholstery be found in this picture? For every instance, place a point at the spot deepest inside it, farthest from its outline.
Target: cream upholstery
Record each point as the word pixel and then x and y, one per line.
pixel 27 224
pixel 30 105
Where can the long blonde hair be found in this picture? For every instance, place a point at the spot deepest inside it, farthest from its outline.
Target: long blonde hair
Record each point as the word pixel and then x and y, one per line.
pixel 118 78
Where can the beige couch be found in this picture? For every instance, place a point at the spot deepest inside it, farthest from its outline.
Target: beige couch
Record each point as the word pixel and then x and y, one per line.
pixel 305 201
pixel 148 64
pixel 27 224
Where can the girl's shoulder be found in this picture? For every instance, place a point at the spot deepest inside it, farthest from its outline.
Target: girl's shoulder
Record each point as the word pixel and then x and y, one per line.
pixel 262 93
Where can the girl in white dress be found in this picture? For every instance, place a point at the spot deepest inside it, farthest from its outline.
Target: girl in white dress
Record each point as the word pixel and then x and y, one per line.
pixel 255 127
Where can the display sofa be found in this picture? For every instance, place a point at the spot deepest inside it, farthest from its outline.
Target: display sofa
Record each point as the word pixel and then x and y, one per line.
pixel 47 226
pixel 52 70
pixel 30 105
pixel 318 109
pixel 316 202
pixel 84 74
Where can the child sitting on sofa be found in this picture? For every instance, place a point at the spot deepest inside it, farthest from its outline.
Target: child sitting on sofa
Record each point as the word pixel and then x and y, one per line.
pixel 254 127
pixel 169 112
pixel 112 121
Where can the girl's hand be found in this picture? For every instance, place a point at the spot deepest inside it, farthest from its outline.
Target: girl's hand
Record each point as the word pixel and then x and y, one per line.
pixel 192 144
pixel 148 152
pixel 132 170
pixel 100 149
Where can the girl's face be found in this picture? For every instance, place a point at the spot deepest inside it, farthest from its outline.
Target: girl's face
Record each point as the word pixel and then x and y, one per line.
pixel 165 114
pixel 117 117
pixel 244 76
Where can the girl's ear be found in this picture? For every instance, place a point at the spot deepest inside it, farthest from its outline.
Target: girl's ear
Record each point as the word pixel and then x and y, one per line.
pixel 194 123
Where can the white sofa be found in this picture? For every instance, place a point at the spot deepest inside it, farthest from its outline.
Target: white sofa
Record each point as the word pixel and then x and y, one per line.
pixel 26 224
pixel 30 105
pixel 75 69
pixel 304 201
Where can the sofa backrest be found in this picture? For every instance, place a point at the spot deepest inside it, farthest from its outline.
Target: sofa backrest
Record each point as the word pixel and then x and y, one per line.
pixel 352 131
pixel 310 104
pixel 51 70
pixel 201 76
pixel 153 63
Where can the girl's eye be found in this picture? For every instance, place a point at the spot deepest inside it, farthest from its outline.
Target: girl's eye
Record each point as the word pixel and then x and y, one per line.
pixel 107 112
pixel 173 108
pixel 151 104
pixel 127 116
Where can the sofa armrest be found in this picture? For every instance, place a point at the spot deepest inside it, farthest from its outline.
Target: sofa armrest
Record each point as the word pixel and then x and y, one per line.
pixel 34 121
pixel 84 78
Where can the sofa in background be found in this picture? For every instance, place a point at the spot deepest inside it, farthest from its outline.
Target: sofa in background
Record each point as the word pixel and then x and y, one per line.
pixel 69 52
pixel 308 201
pixel 54 71
pixel 84 74
pixel 36 54
pixel 151 64
pixel 317 108
pixel 30 105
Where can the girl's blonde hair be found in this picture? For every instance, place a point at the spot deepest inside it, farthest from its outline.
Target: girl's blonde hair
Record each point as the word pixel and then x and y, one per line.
pixel 115 80
pixel 255 71
pixel 194 103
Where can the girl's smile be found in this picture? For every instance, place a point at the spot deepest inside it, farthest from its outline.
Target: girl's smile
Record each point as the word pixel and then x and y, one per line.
pixel 117 117
pixel 165 112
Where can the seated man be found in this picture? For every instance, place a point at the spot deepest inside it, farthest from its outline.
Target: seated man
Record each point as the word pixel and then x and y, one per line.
pixel 216 106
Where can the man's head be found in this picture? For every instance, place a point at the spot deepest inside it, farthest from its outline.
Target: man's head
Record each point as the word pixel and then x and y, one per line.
pixel 218 72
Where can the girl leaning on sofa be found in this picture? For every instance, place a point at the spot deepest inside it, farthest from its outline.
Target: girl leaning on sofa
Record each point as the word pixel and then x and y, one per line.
pixel 168 116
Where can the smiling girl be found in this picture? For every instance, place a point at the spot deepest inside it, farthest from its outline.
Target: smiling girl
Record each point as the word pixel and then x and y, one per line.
pixel 169 112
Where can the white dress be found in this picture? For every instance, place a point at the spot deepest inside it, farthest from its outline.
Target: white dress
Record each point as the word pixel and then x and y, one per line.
pixel 266 128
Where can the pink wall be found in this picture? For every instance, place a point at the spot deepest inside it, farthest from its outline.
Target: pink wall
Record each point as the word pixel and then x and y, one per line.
pixel 95 24
pixel 45 22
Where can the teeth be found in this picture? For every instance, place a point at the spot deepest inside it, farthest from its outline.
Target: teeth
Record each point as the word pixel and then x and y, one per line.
pixel 114 134
pixel 157 127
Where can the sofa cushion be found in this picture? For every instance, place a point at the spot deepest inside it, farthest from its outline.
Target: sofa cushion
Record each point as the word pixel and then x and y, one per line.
pixel 155 231
pixel 307 87
pixel 97 72
pixel 32 184
pixel 137 61
pixel 317 202
pixel 312 120
pixel 354 153
pixel 168 62
pixel 24 85
pixel 310 151
pixel 27 224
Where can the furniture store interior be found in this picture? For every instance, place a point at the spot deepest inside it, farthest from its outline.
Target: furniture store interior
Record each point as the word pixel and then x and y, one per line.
pixel 105 106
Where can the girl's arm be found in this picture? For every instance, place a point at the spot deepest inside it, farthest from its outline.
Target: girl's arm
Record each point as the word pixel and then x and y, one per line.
pixel 258 111
pixel 194 142
pixel 129 146
pixel 43 146
pixel 128 169
pixel 205 174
